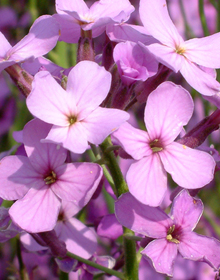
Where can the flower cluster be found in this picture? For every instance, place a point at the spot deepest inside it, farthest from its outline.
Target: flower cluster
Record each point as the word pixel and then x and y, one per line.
pixel 111 141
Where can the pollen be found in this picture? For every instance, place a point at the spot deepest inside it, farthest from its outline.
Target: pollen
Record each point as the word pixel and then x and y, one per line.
pixel 51 178
pixel 180 50
pixel 156 146
pixel 184 147
pixel 72 120
pixel 170 235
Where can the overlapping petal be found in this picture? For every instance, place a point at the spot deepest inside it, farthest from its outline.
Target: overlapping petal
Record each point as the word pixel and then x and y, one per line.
pixel 143 219
pixel 189 168
pixel 147 180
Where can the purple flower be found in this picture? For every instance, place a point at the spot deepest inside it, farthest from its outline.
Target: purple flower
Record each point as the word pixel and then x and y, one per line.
pixel 173 233
pixel 75 113
pixel 42 179
pixel 168 109
pixel 190 57
pixel 42 37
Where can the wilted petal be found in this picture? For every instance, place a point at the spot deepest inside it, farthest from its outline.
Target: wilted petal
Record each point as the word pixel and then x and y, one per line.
pixel 77 182
pixel 156 20
pixel 186 210
pixel 173 107
pixel 200 248
pixel 134 141
pixel 147 180
pixel 198 79
pixel 102 122
pixel 162 253
pixel 189 168
pixel 143 219
pixel 37 211
pixel 204 51
pixel 79 239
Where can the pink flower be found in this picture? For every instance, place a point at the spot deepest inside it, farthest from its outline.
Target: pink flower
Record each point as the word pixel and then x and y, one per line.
pixel 75 113
pixel 42 179
pixel 172 233
pixel 190 57
pixel 168 109
pixel 42 38
pixel 74 15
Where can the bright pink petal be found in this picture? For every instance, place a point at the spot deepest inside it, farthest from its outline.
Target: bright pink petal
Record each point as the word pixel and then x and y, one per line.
pixel 168 109
pixel 41 155
pixel 162 253
pixel 41 38
pixel 102 122
pixel 49 102
pixel 79 239
pixel 204 51
pixel 73 138
pixel 147 180
pixel 134 141
pixel 77 182
pixel 37 211
pixel 16 176
pixel 189 168
pixel 198 79
pixel 89 84
pixel 200 248
pixel 186 211
pixel 143 219
pixel 157 22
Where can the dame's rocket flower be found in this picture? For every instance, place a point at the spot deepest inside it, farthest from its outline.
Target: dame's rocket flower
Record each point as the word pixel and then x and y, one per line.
pixel 173 233
pixel 75 113
pixel 190 57
pixel 42 179
pixel 168 109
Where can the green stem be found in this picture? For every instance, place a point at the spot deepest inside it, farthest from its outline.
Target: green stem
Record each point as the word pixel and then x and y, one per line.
pixel 131 263
pixel 203 18
pixel 98 266
pixel 111 162
pixel 22 269
pixel 218 16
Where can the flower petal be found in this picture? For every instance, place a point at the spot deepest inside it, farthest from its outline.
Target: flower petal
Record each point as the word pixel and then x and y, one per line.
pixel 134 141
pixel 77 182
pixel 147 180
pixel 157 22
pixel 200 248
pixel 189 168
pixel 198 79
pixel 143 219
pixel 169 107
pixel 162 253
pixel 79 239
pixel 37 211
pixel 186 210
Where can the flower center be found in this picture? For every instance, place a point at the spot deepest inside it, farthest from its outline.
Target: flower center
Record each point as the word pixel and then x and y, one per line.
pixel 156 146
pixel 51 178
pixel 72 120
pixel 172 236
pixel 180 50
